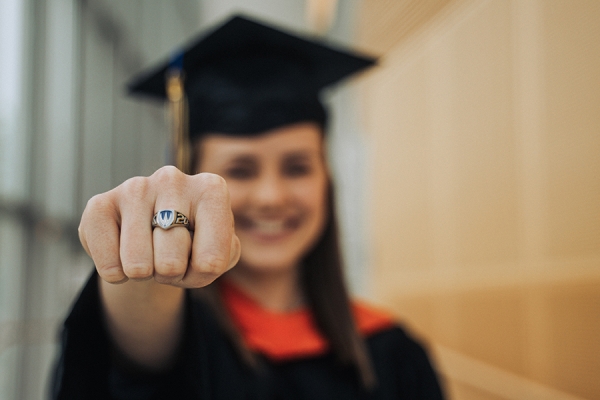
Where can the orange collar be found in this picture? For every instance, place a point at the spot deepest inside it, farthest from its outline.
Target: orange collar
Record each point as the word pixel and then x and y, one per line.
pixel 292 335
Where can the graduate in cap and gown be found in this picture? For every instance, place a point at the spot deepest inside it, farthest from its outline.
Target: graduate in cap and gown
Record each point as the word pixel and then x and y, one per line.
pixel 166 315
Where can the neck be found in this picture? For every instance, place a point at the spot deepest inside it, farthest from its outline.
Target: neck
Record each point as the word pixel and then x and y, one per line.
pixel 276 291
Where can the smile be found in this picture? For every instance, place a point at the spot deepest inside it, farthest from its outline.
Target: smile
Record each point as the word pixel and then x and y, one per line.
pixel 268 228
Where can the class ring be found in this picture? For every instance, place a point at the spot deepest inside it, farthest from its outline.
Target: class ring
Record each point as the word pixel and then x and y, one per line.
pixel 167 219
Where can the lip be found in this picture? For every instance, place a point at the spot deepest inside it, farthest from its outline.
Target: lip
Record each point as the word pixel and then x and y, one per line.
pixel 267 229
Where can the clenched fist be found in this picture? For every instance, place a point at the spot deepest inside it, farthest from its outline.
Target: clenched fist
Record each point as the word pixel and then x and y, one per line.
pixel 116 230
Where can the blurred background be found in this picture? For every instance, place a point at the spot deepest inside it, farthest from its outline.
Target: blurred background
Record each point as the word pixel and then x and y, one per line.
pixel 467 166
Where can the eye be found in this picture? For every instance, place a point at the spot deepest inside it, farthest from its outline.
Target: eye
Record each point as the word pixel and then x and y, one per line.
pixel 297 169
pixel 240 172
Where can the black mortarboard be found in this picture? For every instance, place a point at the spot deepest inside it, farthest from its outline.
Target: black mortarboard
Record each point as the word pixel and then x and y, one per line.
pixel 245 78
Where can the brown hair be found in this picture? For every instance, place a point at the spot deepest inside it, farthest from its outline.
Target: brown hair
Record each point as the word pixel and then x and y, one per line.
pixel 322 280
pixel 323 284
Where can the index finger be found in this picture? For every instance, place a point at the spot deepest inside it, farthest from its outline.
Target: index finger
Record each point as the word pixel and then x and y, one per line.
pixel 99 234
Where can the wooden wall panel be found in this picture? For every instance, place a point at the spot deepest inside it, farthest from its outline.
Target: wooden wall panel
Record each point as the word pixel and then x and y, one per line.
pixel 485 205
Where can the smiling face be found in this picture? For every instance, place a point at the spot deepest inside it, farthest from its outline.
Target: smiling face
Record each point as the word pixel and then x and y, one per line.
pixel 278 187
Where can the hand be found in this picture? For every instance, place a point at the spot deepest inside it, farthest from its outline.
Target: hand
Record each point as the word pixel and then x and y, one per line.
pixel 116 230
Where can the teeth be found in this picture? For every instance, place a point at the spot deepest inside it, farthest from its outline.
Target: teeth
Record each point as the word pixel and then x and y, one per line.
pixel 269 227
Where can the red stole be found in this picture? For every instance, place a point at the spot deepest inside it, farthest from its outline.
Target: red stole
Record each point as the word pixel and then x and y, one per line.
pixel 283 336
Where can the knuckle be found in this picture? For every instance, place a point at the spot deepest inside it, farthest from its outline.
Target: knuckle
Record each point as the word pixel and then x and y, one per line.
pixel 210 264
pixel 111 273
pixel 198 281
pixel 98 208
pixel 211 181
pixel 210 178
pixel 97 202
pixel 170 267
pixel 212 187
pixel 168 173
pixel 137 271
pixel 136 187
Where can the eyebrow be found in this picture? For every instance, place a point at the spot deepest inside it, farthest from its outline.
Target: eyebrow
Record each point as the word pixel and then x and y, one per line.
pixel 298 155
pixel 243 159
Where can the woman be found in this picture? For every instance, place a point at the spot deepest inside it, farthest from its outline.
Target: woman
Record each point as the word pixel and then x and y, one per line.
pixel 279 324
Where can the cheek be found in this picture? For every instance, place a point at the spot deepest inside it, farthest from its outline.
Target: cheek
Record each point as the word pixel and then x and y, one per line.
pixel 236 197
pixel 314 199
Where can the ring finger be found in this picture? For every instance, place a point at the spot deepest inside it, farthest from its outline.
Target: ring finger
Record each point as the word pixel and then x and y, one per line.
pixel 171 253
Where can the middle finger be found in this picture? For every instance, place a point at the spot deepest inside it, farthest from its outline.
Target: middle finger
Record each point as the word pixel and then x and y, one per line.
pixel 171 253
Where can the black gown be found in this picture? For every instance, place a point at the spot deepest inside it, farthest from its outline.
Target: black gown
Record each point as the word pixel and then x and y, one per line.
pixel 209 367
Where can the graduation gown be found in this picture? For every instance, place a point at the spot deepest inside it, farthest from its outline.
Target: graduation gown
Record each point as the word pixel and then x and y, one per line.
pixel 294 360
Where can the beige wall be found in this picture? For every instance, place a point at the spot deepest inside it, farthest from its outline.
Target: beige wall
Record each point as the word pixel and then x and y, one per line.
pixel 484 129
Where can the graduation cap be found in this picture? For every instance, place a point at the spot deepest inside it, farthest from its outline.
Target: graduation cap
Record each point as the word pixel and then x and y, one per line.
pixel 244 77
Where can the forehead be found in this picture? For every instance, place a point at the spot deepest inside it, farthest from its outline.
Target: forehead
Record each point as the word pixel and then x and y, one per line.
pixel 291 139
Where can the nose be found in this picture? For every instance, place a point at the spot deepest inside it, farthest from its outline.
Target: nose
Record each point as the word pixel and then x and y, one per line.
pixel 270 191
